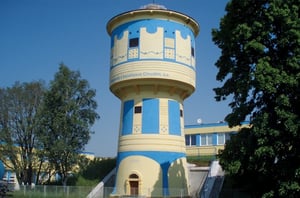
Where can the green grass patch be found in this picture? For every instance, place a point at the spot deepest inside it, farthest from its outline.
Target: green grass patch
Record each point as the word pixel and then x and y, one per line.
pixel 204 160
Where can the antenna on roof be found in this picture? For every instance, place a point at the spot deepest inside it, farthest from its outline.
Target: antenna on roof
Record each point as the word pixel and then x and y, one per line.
pixel 199 121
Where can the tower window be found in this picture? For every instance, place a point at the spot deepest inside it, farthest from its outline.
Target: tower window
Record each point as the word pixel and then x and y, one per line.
pixel 181 113
pixel 133 176
pixel 193 52
pixel 138 109
pixel 134 42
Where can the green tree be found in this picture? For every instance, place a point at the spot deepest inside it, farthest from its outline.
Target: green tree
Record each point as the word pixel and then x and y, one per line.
pixel 67 114
pixel 260 69
pixel 97 168
pixel 18 128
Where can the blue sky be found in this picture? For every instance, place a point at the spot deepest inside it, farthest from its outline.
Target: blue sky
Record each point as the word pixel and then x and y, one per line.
pixel 37 35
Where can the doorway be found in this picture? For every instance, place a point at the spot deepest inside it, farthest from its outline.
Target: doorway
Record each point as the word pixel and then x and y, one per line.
pixel 134 184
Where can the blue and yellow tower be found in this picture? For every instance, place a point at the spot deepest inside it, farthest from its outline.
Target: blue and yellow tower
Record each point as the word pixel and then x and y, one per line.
pixel 152 71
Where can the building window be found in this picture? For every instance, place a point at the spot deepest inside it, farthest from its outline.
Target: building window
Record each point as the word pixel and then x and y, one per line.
pixel 222 138
pixel 187 140
pixel 190 140
pixel 227 136
pixel 193 140
pixel 209 139
pixel 134 42
pixel 181 113
pixel 206 139
pixel 138 109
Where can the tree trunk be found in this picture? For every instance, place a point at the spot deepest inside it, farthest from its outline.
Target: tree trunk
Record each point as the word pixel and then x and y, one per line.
pixel 37 180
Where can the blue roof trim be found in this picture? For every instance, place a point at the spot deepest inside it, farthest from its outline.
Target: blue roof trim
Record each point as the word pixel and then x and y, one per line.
pixel 87 152
pixel 218 124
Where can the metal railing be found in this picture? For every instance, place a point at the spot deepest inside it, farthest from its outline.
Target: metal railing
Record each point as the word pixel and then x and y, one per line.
pixel 153 192
pixel 45 191
pixel 50 191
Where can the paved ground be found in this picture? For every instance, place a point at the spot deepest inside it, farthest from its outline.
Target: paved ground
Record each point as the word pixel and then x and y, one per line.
pixel 197 176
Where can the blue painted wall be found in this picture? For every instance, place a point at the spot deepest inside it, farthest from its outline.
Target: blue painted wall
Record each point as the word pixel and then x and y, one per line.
pixel 174 118
pixel 150 116
pixel 151 25
pixel 127 120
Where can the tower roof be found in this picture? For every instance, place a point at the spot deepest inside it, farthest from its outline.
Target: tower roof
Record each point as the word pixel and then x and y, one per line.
pixel 153 6
pixel 153 11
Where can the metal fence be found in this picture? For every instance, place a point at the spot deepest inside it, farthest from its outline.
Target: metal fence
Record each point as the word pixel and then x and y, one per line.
pixel 149 192
pixel 82 192
pixel 50 191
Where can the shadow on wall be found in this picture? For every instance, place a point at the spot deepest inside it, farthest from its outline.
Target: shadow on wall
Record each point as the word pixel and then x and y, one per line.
pixel 172 180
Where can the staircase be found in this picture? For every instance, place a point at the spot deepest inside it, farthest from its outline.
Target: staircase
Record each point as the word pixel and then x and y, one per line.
pixel 11 180
pixel 99 190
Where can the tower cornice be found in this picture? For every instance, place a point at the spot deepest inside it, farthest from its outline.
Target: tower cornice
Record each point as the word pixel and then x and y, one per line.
pixel 152 13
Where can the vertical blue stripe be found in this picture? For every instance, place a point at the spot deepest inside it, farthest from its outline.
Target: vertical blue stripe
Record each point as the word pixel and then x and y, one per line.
pixel 197 140
pixel 174 118
pixel 214 138
pixel 150 116
pixel 127 120
pixel 165 179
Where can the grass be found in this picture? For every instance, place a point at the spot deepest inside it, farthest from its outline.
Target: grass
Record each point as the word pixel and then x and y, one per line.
pixel 201 160
pixel 51 192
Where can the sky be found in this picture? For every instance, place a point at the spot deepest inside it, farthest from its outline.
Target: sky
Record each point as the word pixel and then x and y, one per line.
pixel 37 35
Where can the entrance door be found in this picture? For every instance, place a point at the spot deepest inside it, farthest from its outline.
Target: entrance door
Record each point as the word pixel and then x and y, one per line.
pixel 134 184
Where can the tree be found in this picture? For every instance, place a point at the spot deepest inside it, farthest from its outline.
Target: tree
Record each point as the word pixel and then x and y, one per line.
pixel 18 128
pixel 97 168
pixel 67 114
pixel 260 68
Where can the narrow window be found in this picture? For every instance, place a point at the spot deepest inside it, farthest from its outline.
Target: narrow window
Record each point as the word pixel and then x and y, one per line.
pixel 192 52
pixel 181 113
pixel 134 42
pixel 187 140
pixel 209 139
pixel 221 138
pixel 203 140
pixel 227 136
pixel 138 109
pixel 193 140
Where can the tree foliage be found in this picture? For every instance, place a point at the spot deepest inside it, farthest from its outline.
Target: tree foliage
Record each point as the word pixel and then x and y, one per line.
pixel 66 116
pixel 97 168
pixel 46 128
pixel 260 68
pixel 18 127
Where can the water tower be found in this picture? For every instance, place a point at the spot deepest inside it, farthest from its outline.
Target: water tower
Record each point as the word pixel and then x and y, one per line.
pixel 152 71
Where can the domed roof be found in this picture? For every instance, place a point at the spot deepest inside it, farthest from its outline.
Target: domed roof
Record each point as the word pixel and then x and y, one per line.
pixel 153 6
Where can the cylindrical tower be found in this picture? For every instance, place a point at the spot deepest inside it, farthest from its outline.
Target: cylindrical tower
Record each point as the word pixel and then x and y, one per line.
pixel 152 71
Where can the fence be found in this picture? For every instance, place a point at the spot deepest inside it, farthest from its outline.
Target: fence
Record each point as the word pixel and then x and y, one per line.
pixel 150 192
pixel 52 191
pixel 82 192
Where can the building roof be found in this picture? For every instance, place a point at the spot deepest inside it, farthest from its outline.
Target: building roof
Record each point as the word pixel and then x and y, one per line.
pixel 152 11
pixel 218 124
